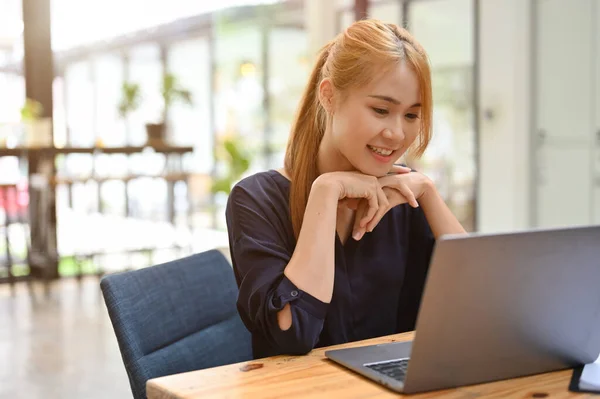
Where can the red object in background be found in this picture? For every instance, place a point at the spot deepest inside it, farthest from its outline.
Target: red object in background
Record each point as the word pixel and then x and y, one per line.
pixel 14 199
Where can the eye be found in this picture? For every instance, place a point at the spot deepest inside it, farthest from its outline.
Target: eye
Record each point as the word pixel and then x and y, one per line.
pixel 412 117
pixel 380 111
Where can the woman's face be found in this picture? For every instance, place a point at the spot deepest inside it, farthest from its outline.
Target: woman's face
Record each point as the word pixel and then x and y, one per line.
pixel 371 127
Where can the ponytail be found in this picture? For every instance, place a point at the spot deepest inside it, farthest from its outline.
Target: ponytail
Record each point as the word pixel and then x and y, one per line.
pixel 303 145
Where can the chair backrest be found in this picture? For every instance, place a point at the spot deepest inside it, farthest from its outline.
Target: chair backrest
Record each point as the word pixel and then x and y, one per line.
pixel 176 317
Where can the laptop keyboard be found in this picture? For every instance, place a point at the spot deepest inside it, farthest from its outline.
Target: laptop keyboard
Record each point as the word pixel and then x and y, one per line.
pixel 395 369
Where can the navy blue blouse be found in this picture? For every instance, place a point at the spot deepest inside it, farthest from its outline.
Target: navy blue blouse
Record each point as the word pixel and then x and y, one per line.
pixel 378 281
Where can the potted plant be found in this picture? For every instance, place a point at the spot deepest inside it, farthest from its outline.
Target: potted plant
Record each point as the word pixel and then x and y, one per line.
pixel 37 129
pixel 171 91
pixel 131 97
pixel 236 161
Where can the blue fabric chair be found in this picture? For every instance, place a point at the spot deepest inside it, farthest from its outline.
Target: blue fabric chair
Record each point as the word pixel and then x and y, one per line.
pixel 176 317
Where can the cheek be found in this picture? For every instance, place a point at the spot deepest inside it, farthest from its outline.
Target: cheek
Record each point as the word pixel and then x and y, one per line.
pixel 350 127
pixel 411 132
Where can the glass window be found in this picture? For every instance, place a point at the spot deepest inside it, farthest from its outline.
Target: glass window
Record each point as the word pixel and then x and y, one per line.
pixel 289 71
pixel 445 29
pixel 112 197
pixel 108 70
pixel 11 33
pixel 79 92
pixel 85 197
pixel 59 112
pixel 189 62
pixel 12 83
pixel 145 69
pixel 12 98
pixel 238 101
pixel 143 206
pixel 387 11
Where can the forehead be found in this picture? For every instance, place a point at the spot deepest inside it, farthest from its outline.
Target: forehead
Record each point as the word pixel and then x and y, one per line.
pixel 398 81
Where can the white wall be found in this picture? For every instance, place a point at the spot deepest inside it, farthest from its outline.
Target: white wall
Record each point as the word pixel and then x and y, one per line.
pixel 504 90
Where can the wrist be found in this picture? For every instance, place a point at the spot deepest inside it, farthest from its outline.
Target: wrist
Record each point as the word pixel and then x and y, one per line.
pixel 326 187
pixel 429 188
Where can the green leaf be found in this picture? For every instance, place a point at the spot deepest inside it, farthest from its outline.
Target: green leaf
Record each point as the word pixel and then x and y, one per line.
pixel 171 91
pixel 31 110
pixel 130 98
pixel 222 185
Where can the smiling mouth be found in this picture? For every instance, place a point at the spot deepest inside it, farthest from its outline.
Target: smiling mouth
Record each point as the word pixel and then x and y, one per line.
pixel 384 152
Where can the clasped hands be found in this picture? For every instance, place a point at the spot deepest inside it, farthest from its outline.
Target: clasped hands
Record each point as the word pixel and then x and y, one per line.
pixel 399 186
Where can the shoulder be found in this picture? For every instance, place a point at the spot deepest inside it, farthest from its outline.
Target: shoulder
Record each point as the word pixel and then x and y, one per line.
pixel 268 185
pixel 264 192
pixel 259 204
pixel 260 180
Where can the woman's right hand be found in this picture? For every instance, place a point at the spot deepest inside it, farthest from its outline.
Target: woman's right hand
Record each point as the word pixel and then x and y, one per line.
pixel 353 187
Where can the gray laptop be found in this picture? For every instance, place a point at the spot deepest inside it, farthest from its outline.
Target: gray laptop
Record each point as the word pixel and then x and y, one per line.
pixel 496 307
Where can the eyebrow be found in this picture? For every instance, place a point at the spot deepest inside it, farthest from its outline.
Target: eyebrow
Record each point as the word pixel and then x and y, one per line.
pixel 392 100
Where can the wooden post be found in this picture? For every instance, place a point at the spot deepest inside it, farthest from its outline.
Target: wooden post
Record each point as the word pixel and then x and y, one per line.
pixel 39 75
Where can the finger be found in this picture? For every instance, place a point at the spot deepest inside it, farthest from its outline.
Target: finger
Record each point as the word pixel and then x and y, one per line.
pixel 400 169
pixel 395 183
pixel 383 208
pixel 357 230
pixel 388 181
pixel 373 199
pixel 408 194
pixel 394 196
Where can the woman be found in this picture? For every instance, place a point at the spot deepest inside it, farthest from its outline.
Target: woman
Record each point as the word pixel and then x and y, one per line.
pixel 335 247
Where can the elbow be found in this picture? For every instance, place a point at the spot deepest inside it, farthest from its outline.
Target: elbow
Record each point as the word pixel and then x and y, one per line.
pixel 296 342
pixel 300 349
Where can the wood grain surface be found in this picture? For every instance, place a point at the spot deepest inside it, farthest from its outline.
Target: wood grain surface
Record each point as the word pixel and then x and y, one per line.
pixel 313 376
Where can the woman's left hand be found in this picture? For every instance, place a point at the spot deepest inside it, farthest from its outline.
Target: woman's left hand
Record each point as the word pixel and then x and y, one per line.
pixel 399 189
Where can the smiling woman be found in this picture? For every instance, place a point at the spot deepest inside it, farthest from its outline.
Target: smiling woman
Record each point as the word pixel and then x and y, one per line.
pixel 383 116
pixel 303 282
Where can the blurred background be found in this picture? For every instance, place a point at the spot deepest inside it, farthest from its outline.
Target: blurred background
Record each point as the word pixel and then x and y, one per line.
pixel 124 124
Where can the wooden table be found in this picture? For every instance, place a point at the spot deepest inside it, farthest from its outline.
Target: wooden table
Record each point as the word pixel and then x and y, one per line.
pixel 315 376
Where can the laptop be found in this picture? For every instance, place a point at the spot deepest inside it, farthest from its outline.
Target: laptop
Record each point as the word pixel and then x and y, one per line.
pixel 495 306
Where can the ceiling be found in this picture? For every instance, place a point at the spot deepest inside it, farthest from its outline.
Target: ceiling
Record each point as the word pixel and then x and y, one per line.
pixel 77 22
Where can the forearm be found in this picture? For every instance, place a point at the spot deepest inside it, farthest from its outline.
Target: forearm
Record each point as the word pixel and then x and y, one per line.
pixel 439 216
pixel 311 267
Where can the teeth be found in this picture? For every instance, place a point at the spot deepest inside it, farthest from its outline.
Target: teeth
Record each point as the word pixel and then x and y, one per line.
pixel 380 151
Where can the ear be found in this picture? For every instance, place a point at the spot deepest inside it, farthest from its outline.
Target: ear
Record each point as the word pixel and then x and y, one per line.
pixel 326 95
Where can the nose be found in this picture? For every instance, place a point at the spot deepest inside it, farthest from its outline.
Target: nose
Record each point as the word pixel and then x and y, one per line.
pixel 395 133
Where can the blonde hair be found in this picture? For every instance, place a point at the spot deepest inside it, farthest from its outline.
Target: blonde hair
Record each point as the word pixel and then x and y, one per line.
pixel 349 61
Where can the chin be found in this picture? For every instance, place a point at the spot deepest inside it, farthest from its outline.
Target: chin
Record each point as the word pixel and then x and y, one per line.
pixel 373 170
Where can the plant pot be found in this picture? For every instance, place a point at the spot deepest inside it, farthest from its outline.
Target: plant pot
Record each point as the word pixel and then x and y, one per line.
pixel 38 133
pixel 156 134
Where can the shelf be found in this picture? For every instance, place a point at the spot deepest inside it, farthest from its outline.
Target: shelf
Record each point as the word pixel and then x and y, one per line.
pixel 21 151
pixel 72 180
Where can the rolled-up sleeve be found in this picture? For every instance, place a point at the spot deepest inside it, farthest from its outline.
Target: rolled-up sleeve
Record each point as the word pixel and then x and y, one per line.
pixel 260 251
